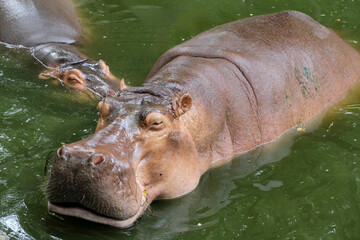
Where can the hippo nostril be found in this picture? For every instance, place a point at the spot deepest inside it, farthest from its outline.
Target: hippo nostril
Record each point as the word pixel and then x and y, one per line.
pixel 59 152
pixel 97 159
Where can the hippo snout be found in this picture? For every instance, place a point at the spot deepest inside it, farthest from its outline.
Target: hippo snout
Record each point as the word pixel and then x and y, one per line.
pixel 94 181
pixel 94 159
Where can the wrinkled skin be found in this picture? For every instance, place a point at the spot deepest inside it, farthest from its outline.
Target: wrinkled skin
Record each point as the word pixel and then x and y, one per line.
pixel 143 131
pixel 223 92
pixel 47 28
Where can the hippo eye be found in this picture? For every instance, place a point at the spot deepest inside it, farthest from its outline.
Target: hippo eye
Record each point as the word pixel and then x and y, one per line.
pixel 158 124
pixel 154 121
pixel 75 78
pixel 72 80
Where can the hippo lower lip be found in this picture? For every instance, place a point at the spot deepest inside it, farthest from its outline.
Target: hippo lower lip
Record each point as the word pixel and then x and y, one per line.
pixel 80 212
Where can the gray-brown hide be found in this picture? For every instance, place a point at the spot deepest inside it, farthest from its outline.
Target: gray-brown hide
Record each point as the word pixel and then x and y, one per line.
pixel 35 22
pixel 223 92
pixel 47 28
pixel 258 77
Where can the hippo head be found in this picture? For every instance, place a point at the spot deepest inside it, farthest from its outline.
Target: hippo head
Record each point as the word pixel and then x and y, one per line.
pixel 141 151
pixel 75 70
pixel 87 75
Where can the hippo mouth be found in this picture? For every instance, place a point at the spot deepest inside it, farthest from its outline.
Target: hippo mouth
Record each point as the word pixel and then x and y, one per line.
pixel 76 210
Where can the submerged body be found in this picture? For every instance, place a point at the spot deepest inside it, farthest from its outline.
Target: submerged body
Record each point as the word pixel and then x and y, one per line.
pixel 34 22
pixel 223 92
pixel 47 28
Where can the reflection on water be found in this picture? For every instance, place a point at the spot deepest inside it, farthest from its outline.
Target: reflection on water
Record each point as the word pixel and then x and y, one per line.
pixel 303 186
pixel 269 186
pixel 11 223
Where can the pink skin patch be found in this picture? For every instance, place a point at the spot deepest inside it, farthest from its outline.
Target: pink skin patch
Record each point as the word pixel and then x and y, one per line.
pixel 59 152
pixel 97 159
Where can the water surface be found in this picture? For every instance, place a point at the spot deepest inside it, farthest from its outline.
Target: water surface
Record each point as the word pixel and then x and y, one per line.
pixel 303 187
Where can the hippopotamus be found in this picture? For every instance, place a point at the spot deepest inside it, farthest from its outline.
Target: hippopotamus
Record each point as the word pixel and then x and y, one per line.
pixel 223 92
pixel 48 28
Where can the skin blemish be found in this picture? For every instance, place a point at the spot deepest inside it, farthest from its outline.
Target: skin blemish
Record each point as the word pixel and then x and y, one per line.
pixel 160 174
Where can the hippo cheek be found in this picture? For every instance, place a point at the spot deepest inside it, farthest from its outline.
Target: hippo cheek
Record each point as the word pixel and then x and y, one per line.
pixel 96 188
pixel 171 168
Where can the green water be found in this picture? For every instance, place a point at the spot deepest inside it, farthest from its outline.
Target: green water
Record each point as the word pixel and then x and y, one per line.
pixel 305 187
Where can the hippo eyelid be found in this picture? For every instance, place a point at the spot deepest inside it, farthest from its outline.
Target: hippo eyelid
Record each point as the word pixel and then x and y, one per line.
pixel 157 125
pixel 157 122
pixel 72 79
pixel 143 115
pixel 154 121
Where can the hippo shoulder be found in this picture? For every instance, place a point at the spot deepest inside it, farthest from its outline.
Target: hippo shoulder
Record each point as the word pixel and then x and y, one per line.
pixel 34 22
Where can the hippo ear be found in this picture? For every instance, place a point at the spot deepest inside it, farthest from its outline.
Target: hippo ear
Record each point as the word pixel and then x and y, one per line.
pixel 184 104
pixel 122 85
pixel 105 68
pixel 108 74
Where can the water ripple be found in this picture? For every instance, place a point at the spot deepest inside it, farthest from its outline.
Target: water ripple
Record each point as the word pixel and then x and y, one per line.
pixel 12 223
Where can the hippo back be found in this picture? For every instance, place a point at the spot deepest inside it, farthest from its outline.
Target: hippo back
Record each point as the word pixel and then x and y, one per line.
pixel 34 22
pixel 293 65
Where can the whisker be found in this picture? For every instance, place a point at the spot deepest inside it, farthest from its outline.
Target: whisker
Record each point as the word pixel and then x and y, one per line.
pixel 48 157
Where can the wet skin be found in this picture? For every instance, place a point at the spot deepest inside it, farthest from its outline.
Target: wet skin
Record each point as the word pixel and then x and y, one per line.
pixel 117 161
pixel 223 92
pixel 47 28
pixel 75 70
